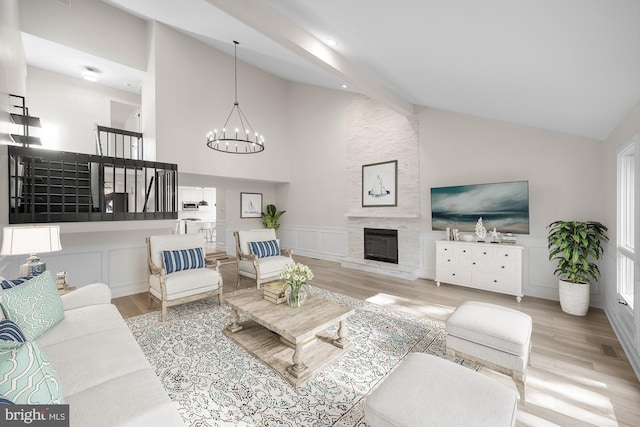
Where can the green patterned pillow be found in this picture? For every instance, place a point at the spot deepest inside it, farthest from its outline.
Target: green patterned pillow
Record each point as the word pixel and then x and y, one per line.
pixel 35 306
pixel 27 377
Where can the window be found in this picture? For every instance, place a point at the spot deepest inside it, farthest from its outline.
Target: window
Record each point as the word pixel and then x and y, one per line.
pixel 628 212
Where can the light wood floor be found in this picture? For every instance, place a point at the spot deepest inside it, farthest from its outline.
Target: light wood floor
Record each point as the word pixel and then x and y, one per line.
pixel 571 382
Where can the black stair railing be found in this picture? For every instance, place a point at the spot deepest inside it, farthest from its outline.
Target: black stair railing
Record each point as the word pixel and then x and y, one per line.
pixel 56 186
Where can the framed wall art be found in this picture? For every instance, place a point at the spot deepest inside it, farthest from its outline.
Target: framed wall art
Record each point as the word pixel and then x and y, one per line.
pixel 250 205
pixel 503 205
pixel 380 184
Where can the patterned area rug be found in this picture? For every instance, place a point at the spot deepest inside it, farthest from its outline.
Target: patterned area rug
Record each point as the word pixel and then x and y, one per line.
pixel 215 382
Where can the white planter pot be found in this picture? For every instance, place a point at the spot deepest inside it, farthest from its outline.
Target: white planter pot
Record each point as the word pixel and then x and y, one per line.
pixel 574 297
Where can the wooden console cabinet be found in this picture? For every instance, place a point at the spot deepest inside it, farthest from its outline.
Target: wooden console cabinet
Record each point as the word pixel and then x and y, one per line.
pixel 487 266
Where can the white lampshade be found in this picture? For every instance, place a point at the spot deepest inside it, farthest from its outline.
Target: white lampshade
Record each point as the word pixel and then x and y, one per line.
pixel 31 239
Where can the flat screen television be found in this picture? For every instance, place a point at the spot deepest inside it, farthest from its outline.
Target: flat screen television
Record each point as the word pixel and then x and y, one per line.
pixel 503 205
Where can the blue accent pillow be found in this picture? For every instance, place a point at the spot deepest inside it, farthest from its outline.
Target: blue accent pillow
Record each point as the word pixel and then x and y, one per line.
pixel 10 335
pixel 183 259
pixel 8 284
pixel 264 249
pixel 5 401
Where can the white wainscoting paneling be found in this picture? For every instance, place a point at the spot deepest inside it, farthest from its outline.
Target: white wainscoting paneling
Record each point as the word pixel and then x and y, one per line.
pixel 328 243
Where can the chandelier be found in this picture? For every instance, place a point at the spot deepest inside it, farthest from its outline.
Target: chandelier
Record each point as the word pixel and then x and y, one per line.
pixel 241 140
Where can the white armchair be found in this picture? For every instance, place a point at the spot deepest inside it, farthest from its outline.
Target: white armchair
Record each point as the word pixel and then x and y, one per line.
pixel 178 271
pixel 265 260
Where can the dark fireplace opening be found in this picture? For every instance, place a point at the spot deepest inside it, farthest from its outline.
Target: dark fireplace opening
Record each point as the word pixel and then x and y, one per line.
pixel 381 245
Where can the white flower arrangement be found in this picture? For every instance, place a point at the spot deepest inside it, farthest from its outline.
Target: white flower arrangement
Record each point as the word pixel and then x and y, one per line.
pixel 296 274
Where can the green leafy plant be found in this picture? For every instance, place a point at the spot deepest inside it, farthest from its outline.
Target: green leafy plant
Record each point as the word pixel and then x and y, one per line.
pixel 575 245
pixel 271 217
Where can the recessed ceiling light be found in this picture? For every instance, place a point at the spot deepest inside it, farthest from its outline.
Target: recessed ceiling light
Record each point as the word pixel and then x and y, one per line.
pixel 344 86
pixel 91 74
pixel 331 42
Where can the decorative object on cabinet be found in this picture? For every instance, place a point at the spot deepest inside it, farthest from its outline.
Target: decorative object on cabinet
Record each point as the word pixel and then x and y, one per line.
pixel 495 236
pixel 504 205
pixel 271 216
pixel 31 240
pixel 480 266
pixel 244 140
pixel 481 232
pixel 380 184
pixel 250 205
pixel 508 239
pixel 575 246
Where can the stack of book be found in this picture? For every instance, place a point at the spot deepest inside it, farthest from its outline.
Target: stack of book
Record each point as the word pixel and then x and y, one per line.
pixel 508 239
pixel 274 292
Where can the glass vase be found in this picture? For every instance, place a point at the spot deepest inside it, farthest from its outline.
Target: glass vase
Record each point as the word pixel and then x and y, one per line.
pixel 296 294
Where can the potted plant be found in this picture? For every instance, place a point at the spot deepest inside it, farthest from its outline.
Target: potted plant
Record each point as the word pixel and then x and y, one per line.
pixel 575 246
pixel 271 216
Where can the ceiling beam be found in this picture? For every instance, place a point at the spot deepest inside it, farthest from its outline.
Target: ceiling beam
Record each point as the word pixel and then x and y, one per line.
pixel 264 19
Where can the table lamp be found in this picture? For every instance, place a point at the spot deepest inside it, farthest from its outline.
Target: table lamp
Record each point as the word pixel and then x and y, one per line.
pixel 31 239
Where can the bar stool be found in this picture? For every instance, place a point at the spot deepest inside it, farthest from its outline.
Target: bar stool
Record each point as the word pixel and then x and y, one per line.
pixel 207 229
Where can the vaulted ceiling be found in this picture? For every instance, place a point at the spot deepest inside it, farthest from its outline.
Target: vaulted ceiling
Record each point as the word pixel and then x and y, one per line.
pixel 570 66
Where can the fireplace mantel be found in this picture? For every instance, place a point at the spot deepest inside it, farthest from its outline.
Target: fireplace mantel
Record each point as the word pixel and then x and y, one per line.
pixel 380 215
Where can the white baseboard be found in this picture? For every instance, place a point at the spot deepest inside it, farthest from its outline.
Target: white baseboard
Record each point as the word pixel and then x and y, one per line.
pixel 625 341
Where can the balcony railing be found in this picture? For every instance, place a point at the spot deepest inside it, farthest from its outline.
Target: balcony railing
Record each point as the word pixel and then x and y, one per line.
pixel 55 186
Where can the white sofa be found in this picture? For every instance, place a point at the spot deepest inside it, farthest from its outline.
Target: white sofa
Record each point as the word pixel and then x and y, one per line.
pixel 104 376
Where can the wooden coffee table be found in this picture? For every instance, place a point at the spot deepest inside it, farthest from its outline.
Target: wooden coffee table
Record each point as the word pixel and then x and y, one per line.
pixel 272 326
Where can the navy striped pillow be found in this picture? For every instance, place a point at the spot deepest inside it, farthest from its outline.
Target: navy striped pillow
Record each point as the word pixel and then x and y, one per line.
pixel 183 259
pixel 8 284
pixel 10 335
pixel 265 249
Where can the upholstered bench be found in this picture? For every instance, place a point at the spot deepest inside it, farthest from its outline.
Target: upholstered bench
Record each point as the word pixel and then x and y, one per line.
pixel 427 390
pixel 496 337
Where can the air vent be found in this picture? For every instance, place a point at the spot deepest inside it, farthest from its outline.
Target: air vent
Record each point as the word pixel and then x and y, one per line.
pixel 609 351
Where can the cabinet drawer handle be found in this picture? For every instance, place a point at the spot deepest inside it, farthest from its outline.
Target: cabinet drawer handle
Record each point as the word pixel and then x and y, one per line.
pixel 506 254
pixel 464 250
pixel 502 266
pixel 453 274
pixel 495 281
pixel 484 253
pixel 446 249
pixel 474 263
pixel 448 260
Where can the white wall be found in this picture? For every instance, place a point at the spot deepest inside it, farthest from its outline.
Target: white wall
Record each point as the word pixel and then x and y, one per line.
pixel 91 26
pixel 13 72
pixel 194 95
pixel 69 109
pixel 564 173
pixel 625 324
pixel 317 158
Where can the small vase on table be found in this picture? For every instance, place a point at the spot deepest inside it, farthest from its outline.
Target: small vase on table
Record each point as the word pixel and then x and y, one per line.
pixel 296 293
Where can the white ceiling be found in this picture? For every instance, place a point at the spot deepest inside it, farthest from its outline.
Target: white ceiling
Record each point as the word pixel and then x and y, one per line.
pixel 570 66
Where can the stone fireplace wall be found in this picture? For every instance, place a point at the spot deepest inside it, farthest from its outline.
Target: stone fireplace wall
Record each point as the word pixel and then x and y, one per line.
pixel 376 134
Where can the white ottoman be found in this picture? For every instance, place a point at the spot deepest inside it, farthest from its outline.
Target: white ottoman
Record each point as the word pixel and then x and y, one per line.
pixel 427 390
pixel 494 336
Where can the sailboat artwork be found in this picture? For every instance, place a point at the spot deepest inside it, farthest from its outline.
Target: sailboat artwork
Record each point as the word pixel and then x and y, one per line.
pixel 378 189
pixel 250 205
pixel 251 209
pixel 380 184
